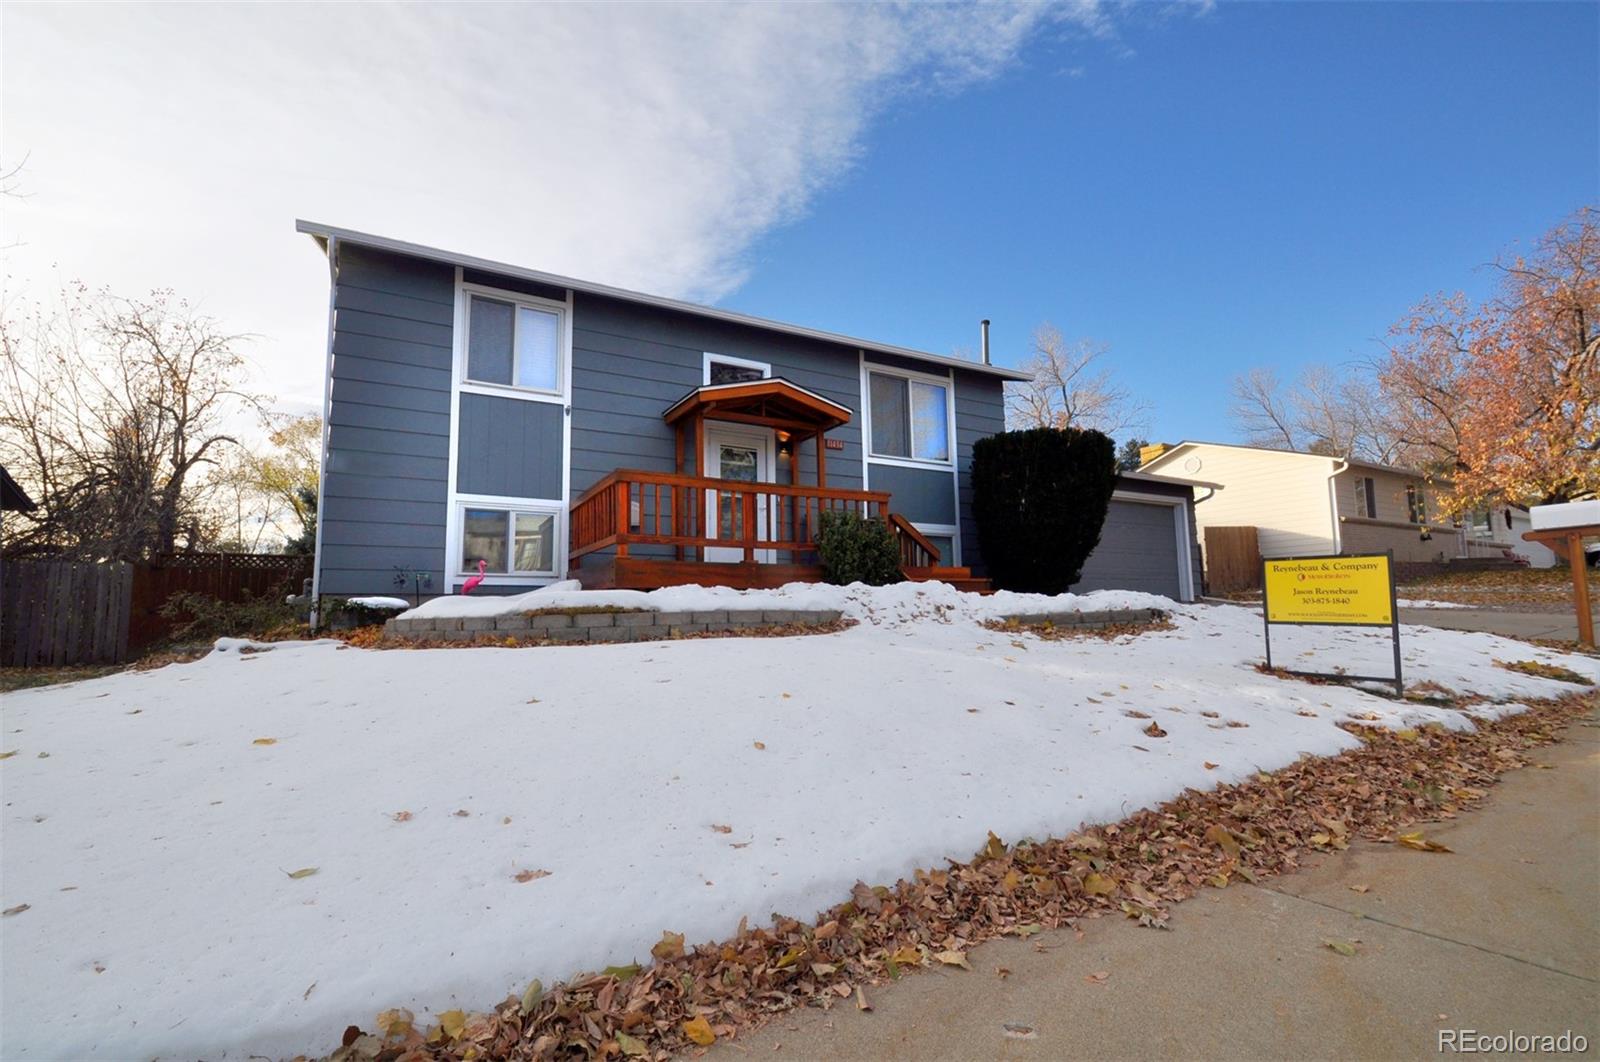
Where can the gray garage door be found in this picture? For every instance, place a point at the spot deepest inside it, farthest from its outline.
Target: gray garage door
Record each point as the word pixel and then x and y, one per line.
pixel 1138 550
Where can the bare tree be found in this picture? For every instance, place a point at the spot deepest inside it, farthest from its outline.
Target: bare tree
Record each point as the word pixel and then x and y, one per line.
pixel 109 408
pixel 1340 412
pixel 1069 389
pixel 1261 413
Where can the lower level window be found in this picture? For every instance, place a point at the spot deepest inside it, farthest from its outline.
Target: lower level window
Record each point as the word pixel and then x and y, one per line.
pixel 508 542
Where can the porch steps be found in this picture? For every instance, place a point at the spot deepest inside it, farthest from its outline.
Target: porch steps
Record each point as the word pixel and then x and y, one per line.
pixel 960 578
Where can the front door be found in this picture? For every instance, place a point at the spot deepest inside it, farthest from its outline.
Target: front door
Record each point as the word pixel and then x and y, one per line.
pixel 744 455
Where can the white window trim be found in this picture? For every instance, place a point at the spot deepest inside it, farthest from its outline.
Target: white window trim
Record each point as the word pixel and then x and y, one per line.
pixel 868 460
pixel 728 359
pixel 563 312
pixel 1181 529
pixel 868 369
pixel 456 500
pixel 456 533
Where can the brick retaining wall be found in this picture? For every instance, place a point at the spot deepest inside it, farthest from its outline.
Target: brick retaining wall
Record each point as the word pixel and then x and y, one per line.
pixel 600 625
pixel 1115 617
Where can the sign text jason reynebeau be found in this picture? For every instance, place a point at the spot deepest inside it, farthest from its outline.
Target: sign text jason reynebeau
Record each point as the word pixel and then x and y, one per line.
pixel 1353 591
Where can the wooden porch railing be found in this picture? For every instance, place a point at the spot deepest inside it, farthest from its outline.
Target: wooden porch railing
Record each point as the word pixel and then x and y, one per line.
pixel 631 507
pixel 916 552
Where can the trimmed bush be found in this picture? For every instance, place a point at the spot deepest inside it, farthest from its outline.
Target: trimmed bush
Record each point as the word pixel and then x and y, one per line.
pixel 1039 498
pixel 855 549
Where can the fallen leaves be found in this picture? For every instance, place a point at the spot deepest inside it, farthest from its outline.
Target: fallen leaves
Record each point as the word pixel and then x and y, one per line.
pixel 1416 840
pixel 1154 730
pixel 303 872
pixel 18 909
pixel 525 876
pixel 720 828
pixel 699 1030
pixel 401 816
pixel 453 1022
pixel 1343 947
pixel 1097 884
pixel 264 741
pixel 1261 826
pixel 759 744
pixel 670 946
pixel 1209 765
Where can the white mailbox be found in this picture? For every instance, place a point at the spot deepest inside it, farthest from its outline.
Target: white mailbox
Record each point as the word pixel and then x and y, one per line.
pixel 1565 514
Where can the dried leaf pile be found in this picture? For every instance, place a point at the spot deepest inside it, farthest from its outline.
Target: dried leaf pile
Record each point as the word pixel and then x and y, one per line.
pixel 694 995
pixel 372 637
pixel 1052 632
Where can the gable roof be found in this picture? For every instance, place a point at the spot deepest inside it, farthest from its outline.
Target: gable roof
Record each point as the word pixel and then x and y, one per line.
pixel 324 233
pixel 12 497
pixel 775 400
pixel 1352 462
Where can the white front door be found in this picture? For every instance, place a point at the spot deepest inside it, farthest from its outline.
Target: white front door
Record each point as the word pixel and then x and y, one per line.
pixel 745 455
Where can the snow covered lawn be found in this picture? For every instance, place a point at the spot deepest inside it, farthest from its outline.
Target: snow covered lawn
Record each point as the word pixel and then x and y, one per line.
pixel 153 820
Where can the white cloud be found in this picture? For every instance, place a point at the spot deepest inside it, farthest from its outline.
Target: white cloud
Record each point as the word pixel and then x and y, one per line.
pixel 644 145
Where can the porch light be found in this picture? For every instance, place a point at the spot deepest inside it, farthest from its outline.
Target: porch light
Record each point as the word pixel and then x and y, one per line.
pixel 785 445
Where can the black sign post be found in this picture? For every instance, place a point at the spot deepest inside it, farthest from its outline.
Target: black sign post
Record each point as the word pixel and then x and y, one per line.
pixel 1393 624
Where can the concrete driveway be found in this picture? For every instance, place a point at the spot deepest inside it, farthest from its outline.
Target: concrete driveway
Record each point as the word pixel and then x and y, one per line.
pixel 1501 935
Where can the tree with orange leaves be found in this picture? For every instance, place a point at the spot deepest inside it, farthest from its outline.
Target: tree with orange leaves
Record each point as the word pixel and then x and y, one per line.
pixel 1503 399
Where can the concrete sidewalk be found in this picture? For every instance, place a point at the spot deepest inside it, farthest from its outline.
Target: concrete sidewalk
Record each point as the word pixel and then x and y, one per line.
pixel 1561 625
pixel 1501 935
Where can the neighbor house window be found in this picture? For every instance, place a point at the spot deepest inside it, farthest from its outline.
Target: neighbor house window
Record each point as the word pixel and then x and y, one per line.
pixel 1366 498
pixel 722 369
pixel 1416 506
pixel 509 542
pixel 910 418
pixel 513 344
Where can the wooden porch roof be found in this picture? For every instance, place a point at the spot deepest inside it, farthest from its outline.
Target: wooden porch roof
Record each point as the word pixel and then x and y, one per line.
pixel 775 402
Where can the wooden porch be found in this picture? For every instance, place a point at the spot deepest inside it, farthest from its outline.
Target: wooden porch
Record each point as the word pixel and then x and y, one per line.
pixel 643 530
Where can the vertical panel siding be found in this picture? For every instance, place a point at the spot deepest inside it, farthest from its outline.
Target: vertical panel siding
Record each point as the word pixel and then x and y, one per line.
pixel 384 493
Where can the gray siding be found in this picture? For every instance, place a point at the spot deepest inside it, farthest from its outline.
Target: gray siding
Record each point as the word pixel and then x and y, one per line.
pixel 509 447
pixel 384 489
pixel 921 495
pixel 1137 551
pixel 630 362
pixel 980 412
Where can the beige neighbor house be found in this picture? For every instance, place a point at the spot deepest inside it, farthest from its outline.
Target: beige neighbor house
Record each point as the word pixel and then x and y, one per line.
pixel 1303 504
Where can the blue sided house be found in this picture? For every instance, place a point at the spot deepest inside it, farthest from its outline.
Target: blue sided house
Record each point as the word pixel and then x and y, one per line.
pixel 487 418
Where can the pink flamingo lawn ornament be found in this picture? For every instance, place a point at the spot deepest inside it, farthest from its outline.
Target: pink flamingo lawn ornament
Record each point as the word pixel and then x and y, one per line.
pixel 472 581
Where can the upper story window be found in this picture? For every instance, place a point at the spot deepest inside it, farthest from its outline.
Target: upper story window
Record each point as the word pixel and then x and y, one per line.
pixel 910 417
pixel 1366 498
pixel 724 369
pixel 513 344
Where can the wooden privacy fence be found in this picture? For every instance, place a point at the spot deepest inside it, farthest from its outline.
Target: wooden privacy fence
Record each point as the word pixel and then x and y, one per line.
pixel 224 576
pixel 54 613
pixel 1233 560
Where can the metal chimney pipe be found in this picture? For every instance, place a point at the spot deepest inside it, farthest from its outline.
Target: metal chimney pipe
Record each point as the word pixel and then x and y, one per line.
pixel 985 327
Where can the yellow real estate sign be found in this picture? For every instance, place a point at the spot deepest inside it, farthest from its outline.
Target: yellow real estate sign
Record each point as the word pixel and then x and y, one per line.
pixel 1357 590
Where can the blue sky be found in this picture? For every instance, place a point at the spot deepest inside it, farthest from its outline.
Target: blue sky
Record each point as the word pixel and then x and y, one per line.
pixel 1205 190
pixel 1267 184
